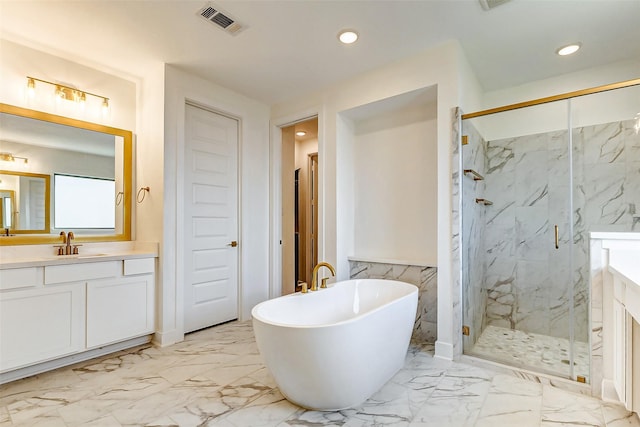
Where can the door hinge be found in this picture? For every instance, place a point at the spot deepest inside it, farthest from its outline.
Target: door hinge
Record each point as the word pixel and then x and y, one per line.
pixel 465 330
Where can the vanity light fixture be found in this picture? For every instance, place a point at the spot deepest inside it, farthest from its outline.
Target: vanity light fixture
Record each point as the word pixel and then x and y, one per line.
pixel 301 133
pixel 568 49
pixel 347 36
pixel 67 93
pixel 8 157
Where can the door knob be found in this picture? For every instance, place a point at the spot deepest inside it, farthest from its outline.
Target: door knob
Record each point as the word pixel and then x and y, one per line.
pixel 233 244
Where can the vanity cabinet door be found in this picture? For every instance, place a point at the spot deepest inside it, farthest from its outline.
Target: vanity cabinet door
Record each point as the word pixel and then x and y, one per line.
pixel 41 324
pixel 119 309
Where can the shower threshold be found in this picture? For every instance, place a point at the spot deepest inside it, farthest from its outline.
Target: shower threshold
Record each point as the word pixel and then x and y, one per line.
pixel 535 352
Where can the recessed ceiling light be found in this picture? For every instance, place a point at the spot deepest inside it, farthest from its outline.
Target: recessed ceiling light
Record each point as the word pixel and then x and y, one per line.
pixel 568 49
pixel 301 133
pixel 348 36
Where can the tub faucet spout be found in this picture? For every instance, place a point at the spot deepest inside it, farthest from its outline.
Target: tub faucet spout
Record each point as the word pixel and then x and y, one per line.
pixel 314 275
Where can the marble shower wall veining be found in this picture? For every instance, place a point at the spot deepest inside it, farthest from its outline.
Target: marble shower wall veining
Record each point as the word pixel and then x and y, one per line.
pixel 425 278
pixel 473 224
pixel 527 179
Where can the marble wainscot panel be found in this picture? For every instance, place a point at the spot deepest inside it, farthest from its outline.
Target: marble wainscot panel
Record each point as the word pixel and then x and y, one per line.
pixel 425 278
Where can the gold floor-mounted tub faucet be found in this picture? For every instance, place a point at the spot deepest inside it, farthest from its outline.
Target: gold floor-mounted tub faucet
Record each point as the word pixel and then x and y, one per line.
pixel 314 275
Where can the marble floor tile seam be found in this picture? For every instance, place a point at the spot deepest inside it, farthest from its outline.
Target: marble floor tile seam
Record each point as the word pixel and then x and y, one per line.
pixel 420 394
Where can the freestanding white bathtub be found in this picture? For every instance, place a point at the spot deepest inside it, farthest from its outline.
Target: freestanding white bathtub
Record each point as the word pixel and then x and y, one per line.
pixel 333 348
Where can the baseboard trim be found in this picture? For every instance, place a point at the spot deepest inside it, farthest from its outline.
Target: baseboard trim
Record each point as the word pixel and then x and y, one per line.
pixel 50 365
pixel 444 350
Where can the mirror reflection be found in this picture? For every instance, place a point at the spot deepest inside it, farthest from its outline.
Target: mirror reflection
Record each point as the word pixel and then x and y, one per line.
pixel 25 202
pixel 63 174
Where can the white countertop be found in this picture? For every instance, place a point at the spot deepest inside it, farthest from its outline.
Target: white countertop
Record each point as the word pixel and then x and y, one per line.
pixel 626 263
pixel 43 255
pixel 614 235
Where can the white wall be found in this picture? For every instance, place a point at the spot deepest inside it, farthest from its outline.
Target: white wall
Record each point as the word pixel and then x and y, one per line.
pixel 49 161
pixel 17 62
pixel 438 66
pixel 617 105
pixel 254 187
pixel 395 185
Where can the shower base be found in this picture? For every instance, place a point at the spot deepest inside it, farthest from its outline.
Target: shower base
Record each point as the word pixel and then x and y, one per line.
pixel 531 351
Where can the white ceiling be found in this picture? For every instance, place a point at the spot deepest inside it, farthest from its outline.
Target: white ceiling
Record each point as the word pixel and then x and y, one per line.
pixel 289 48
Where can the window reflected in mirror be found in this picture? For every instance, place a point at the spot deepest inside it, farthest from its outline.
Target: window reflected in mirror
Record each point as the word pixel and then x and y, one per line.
pixel 84 202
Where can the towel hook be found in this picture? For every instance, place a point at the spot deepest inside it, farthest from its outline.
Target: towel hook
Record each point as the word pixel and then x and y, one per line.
pixel 119 197
pixel 144 191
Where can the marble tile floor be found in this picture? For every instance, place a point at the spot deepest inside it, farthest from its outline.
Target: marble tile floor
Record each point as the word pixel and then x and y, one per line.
pixel 216 378
pixel 531 351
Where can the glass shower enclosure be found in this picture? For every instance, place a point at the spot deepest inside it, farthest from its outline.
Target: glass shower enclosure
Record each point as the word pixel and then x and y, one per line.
pixel 535 182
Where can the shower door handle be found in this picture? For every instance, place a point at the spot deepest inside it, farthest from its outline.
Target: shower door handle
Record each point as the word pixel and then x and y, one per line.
pixel 557 235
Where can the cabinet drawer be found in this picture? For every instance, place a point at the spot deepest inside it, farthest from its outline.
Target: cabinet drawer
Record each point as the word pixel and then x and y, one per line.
pixel 81 272
pixel 15 278
pixel 139 266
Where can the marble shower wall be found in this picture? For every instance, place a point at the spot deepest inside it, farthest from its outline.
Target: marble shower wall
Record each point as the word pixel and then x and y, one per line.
pixel 527 178
pixel 474 301
pixel 425 278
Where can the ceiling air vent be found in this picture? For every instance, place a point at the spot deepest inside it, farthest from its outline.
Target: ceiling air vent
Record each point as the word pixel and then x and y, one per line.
pixel 490 4
pixel 220 19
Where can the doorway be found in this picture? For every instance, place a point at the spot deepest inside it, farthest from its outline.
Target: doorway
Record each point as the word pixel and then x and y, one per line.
pixel 299 203
pixel 211 219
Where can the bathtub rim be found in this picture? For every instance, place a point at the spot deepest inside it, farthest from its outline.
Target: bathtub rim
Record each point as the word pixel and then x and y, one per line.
pixel 261 319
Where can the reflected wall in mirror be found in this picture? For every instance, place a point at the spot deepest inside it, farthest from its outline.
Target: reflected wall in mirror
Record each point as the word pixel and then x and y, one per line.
pixel 33 143
pixel 7 202
pixel 26 202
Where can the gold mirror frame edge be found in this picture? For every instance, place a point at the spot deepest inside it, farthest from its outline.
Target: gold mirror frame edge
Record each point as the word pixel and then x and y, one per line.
pixel 127 137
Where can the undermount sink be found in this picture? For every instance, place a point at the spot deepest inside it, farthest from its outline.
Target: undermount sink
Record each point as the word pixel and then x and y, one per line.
pixel 79 256
pixel 90 256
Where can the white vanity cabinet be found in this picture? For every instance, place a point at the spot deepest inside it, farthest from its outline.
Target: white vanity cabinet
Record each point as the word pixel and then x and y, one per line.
pixel 40 324
pixel 626 344
pixel 51 312
pixel 121 307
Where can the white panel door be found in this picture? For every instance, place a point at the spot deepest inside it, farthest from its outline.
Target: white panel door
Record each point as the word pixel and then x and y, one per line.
pixel 211 219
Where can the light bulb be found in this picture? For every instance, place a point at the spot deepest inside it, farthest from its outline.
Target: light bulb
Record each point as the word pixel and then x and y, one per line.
pixel 82 100
pixel 348 36
pixel 59 94
pixel 105 106
pixel 569 49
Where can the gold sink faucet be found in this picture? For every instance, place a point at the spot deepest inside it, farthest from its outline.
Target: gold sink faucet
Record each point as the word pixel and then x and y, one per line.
pixel 314 275
pixel 66 239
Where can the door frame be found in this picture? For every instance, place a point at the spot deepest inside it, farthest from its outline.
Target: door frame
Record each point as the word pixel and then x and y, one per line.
pixel 275 198
pixel 180 217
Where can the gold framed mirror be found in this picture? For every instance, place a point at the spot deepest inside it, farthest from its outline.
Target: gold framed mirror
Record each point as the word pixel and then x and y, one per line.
pixel 80 165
